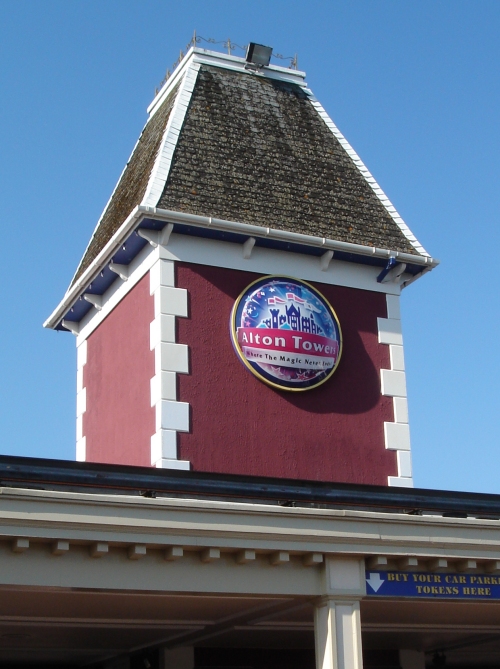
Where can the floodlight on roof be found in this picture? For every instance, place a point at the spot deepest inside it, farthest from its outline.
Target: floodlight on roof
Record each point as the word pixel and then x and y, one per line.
pixel 258 54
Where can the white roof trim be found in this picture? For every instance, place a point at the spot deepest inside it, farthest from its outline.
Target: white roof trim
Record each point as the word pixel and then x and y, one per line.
pixel 368 176
pixel 246 229
pixel 161 169
pixel 234 63
pixel 170 84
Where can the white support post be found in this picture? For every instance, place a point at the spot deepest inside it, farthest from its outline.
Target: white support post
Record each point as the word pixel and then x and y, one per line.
pixel 337 620
pixel 337 632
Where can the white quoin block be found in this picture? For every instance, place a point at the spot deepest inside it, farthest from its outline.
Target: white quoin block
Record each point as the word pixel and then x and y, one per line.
pixel 81 402
pixel 397 436
pixel 79 427
pixel 397 358
pixel 393 383
pixel 404 463
pixel 161 329
pixel 172 301
pixel 163 445
pixel 172 358
pixel 81 354
pixel 167 463
pixel 393 308
pixel 163 387
pixel 79 379
pixel 400 409
pixel 389 331
pixel 400 482
pixel 172 416
pixel 81 450
pixel 161 274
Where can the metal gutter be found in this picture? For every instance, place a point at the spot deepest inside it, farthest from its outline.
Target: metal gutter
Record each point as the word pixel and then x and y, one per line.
pixel 286 236
pixel 140 212
pixel 93 477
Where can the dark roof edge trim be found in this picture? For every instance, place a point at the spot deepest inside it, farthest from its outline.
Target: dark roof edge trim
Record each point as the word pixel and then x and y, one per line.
pixel 98 477
pixel 141 211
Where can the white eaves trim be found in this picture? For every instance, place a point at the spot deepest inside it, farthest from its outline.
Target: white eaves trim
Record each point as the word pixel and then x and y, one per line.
pixel 367 175
pixel 141 211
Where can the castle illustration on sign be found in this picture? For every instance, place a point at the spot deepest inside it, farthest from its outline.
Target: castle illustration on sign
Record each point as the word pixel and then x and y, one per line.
pixel 291 320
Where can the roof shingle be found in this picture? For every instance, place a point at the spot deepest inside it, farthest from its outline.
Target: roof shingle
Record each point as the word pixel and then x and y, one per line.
pixel 132 184
pixel 254 150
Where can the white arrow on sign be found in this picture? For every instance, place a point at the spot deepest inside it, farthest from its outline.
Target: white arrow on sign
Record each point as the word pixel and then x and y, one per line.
pixel 375 582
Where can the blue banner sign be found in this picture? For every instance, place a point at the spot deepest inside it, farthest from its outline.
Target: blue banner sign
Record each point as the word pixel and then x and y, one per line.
pixel 430 584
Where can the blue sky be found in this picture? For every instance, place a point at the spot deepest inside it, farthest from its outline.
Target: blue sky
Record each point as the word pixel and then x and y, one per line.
pixel 413 85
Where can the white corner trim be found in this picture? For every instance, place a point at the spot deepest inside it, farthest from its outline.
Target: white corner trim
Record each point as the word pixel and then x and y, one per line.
pixel 391 210
pixel 161 169
pixel 171 358
pixel 393 384
pixel 81 400
pixel 170 217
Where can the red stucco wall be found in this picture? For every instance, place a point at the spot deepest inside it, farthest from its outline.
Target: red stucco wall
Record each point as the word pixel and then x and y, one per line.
pixel 241 426
pixel 119 420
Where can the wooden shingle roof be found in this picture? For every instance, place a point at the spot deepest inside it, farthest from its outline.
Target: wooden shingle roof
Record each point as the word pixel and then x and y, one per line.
pixel 255 149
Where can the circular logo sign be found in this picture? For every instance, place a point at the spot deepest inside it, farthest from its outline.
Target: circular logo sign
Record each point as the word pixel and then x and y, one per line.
pixel 286 333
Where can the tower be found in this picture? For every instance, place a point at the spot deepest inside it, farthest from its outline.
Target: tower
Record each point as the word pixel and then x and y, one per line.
pixel 240 174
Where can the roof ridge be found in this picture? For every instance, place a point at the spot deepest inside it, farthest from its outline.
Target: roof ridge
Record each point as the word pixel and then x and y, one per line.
pixel 369 178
